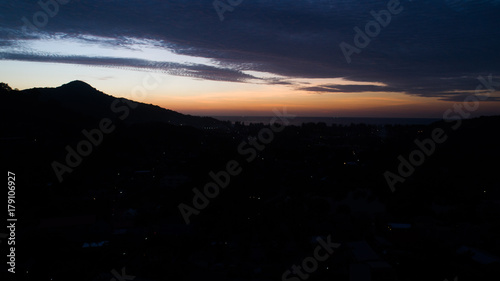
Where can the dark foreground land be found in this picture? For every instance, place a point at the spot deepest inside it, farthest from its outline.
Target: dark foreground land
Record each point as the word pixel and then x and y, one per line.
pixel 115 211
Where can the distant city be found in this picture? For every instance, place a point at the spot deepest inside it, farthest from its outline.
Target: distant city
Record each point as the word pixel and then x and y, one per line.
pixel 298 121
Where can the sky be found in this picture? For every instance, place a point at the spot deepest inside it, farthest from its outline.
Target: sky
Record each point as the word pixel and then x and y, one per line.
pixel 340 58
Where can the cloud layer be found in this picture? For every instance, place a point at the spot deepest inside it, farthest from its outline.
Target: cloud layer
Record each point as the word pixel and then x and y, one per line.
pixel 431 48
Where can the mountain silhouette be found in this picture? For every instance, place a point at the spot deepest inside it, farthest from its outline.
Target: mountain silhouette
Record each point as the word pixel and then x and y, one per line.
pixel 77 86
pixel 78 97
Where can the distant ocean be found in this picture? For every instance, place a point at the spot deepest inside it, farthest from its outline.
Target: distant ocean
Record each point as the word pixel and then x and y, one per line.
pixel 331 120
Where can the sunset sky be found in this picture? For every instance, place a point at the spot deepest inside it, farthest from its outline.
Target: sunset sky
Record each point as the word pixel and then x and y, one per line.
pixel 261 55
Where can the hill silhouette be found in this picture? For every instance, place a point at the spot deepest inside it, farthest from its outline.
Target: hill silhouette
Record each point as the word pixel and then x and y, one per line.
pixel 80 98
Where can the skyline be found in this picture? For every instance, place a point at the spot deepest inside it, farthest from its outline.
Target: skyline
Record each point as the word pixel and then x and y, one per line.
pixel 424 57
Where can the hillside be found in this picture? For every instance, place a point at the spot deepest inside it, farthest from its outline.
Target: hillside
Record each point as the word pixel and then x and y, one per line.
pixel 78 98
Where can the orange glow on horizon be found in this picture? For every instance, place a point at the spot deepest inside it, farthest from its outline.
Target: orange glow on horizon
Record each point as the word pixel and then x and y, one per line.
pixel 218 98
pixel 306 104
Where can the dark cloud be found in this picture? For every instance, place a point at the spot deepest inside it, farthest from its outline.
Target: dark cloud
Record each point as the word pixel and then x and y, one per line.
pixel 448 89
pixel 190 70
pixel 433 48
pixel 458 97
pixel 348 88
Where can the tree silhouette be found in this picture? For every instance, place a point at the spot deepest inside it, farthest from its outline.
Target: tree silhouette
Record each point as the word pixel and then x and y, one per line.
pixel 4 87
